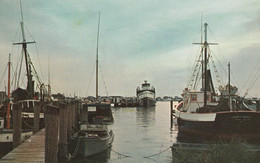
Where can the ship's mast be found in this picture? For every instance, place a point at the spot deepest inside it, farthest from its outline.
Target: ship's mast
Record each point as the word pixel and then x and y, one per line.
pixel 205 66
pixel 30 87
pixel 229 99
pixel 8 94
pixel 204 63
pixel 97 59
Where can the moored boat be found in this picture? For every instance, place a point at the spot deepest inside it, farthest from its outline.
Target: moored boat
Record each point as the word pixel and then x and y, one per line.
pixel 210 115
pixel 92 139
pixel 146 94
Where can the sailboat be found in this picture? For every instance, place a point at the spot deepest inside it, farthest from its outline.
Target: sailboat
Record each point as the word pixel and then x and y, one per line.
pixel 206 114
pixel 93 136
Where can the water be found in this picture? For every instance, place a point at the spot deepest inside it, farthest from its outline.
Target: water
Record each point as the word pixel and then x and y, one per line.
pixel 139 132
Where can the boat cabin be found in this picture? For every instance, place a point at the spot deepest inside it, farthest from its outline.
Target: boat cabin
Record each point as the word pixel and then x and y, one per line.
pixel 195 99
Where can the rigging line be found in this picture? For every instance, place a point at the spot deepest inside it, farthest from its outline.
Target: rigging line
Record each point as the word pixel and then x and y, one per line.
pixel 254 81
pixel 246 92
pixel 29 32
pixel 219 79
pixel 214 38
pixel 19 74
pixel 103 80
pixel 3 75
pixel 252 72
pixel 197 59
pixel 197 79
pixel 222 67
pixel 90 80
pixel 37 52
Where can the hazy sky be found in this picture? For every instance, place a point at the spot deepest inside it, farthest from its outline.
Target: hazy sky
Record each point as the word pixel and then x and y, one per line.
pixel 139 40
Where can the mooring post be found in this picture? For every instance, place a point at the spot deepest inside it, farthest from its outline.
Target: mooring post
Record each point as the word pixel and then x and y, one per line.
pixel 171 113
pixel 257 105
pixel 51 133
pixel 70 120
pixel 63 142
pixel 36 119
pixel 17 124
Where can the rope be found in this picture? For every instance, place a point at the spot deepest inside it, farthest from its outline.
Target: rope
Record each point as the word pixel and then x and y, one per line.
pixel 90 80
pixel 74 154
pixel 158 153
pixel 120 154
pixel 27 124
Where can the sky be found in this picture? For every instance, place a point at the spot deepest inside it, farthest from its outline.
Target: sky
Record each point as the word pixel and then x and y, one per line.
pixel 139 40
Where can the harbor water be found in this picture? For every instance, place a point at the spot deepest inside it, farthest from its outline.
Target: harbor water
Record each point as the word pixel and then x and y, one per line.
pixel 140 134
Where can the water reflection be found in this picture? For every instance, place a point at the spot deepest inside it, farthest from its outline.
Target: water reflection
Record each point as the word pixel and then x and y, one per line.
pixel 98 158
pixel 145 116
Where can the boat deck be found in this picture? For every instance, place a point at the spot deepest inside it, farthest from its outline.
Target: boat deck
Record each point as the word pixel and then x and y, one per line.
pixel 32 150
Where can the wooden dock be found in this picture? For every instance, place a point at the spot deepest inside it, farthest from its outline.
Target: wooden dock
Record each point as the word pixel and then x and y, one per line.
pixel 32 150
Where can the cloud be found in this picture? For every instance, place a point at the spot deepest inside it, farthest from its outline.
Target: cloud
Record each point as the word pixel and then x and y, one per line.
pixel 138 40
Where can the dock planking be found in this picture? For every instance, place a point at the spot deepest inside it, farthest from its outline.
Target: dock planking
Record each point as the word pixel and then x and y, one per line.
pixel 32 150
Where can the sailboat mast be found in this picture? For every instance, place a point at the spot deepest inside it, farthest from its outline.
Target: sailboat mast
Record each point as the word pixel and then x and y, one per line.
pixel 30 87
pixel 97 59
pixel 8 94
pixel 229 99
pixel 205 65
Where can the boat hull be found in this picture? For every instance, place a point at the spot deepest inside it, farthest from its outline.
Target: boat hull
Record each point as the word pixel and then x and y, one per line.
pixel 6 140
pixel 91 146
pixel 225 125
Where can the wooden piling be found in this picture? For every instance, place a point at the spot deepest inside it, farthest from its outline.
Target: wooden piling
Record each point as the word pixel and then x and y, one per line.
pixel 52 131
pixel 36 119
pixel 17 124
pixel 70 122
pixel 63 142
pixel 257 105
pixel 171 113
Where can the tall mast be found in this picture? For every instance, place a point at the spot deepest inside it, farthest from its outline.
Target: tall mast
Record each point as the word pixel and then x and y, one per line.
pixel 229 99
pixel 49 80
pixel 30 86
pixel 8 94
pixel 97 59
pixel 205 65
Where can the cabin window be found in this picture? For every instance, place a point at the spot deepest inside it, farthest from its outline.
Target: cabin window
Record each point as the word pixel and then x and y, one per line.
pixel 193 97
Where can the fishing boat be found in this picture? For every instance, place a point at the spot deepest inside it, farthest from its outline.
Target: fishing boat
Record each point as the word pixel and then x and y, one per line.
pixel 92 139
pixel 93 136
pixel 146 94
pixel 207 114
pixel 28 98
